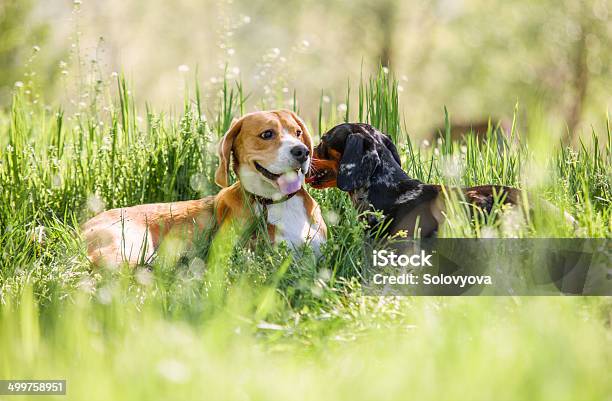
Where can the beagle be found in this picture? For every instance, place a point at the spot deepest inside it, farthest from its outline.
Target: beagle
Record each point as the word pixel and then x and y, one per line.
pixel 271 152
pixel 359 159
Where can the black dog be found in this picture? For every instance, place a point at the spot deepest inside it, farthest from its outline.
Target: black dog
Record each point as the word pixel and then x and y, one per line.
pixel 359 159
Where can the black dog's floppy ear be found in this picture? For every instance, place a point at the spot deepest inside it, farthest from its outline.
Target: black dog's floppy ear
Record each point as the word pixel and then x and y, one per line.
pixel 391 146
pixel 358 162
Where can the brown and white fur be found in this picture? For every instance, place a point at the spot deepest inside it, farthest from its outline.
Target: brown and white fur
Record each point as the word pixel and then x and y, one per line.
pixel 263 145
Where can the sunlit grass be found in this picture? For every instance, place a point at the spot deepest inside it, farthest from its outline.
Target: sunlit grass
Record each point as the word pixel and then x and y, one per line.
pixel 235 318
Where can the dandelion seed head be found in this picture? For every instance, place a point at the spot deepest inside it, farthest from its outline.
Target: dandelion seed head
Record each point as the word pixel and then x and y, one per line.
pixel 95 203
pixel 325 275
pixel 533 174
pixel 197 182
pixel 488 232
pixel 332 217
pixel 451 168
pixel 86 285
pixel 173 370
pixel 105 295
pixel 316 290
pixel 512 223
pixel 144 276
pixel 196 267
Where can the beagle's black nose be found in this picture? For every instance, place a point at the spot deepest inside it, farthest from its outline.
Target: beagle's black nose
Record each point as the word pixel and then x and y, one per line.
pixel 300 153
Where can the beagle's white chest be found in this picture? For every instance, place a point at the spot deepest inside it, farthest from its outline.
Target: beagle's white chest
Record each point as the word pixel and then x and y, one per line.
pixel 294 226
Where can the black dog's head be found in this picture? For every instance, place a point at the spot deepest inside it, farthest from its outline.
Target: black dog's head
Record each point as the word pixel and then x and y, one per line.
pixel 348 156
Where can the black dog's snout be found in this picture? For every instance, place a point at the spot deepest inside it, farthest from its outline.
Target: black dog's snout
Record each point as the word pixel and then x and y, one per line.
pixel 300 153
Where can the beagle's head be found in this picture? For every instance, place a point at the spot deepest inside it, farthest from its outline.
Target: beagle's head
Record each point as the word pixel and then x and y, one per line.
pixel 349 155
pixel 270 151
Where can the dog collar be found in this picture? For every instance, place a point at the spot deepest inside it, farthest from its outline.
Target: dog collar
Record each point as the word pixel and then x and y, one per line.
pixel 267 201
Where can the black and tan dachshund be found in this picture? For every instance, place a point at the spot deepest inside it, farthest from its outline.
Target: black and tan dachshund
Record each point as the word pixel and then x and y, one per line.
pixel 359 159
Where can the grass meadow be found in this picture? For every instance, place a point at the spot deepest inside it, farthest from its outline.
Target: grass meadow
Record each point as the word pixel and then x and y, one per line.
pixel 234 318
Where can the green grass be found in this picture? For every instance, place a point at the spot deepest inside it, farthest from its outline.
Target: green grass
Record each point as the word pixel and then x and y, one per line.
pixel 229 320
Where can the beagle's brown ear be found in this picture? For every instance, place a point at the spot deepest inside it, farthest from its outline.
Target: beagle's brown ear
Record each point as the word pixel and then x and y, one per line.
pixel 306 138
pixel 225 153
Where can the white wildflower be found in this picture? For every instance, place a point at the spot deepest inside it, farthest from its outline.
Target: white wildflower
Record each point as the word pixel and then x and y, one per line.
pixel 173 370
pixel 144 276
pixel 105 295
pixel 95 203
pixel 86 284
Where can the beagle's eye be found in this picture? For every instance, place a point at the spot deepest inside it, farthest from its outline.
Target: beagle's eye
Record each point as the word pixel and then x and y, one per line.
pixel 298 133
pixel 269 134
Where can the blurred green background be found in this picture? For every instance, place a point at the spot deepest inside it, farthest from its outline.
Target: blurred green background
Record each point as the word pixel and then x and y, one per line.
pixel 479 58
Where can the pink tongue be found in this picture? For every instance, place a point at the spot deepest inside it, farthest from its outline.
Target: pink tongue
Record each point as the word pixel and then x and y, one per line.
pixel 289 183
